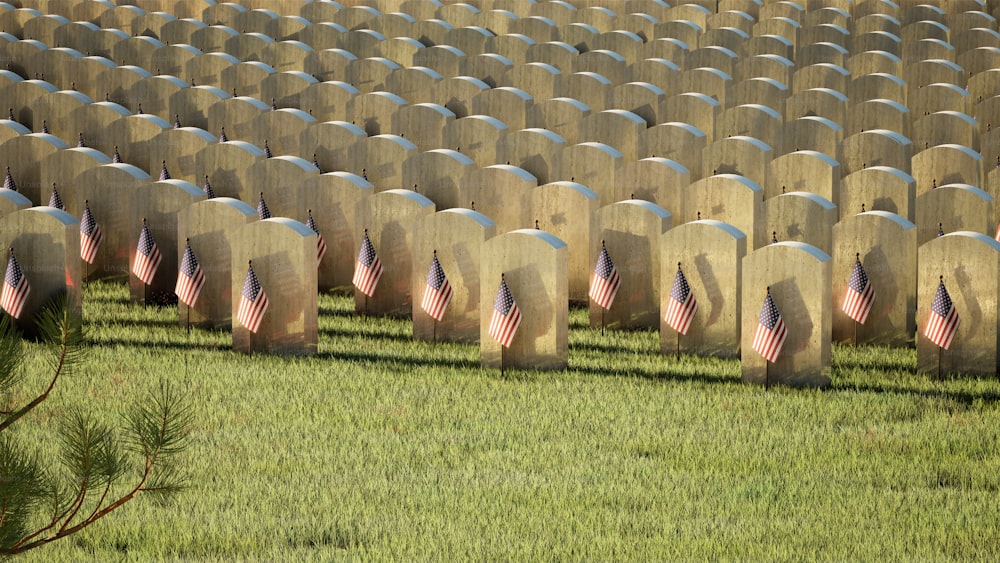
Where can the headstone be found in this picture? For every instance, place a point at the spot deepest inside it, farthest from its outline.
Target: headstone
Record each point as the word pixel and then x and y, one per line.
pixel 966 264
pixel 227 166
pixel 333 198
pixel 814 133
pixel 945 127
pixel 46 244
pixel 933 98
pixel 328 100
pixel 62 168
pixel 775 67
pixel 415 84
pixel 390 219
pixel 158 205
pixel 284 89
pixel 457 93
pixel 237 116
pixel 152 94
pixel 710 256
pixel 821 102
pixel 178 149
pixel 594 165
pixel 475 136
pixel 953 207
pixel 245 78
pixel 282 253
pixel 878 147
pixel 248 45
pixel 532 263
pixel 499 191
pixel 631 231
pixel 330 143
pixel 559 54
pixel 804 171
pixel 537 151
pixel 567 210
pixel 800 216
pixel 878 86
pixel 207 69
pixel 886 246
pixel 618 128
pixel 374 111
pixel 656 179
pixel 762 91
pixel 693 108
pixel 509 105
pixel 946 164
pixel 422 124
pixel 444 59
pixel 455 237
pixel 729 198
pixel 287 55
pixel 745 156
pixel 191 105
pixel 797 276
pixel 22 154
pixel 437 174
pixel 11 201
pixel 562 116
pixel 281 180
pixel 326 62
pixel 213 38
pixel 879 188
pixel 680 142
pixel 282 129
pixel 380 160
pixel 109 190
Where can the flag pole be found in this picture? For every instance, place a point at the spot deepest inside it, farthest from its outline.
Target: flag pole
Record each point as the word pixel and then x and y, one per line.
pixel 602 321
pixel 677 331
pixel 767 363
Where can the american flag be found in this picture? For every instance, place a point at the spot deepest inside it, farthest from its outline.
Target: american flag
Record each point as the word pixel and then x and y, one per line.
pixel 771 331
pixel 860 294
pixel 55 200
pixel 943 322
pixel 207 188
pixel 267 150
pixel 147 256
pixel 164 173
pixel 604 281
pixel 682 305
pixel 320 241
pixel 437 293
pixel 368 268
pixel 223 138
pixel 8 181
pixel 117 157
pixel 262 211
pixel 253 302
pixel 190 278
pixel 940 232
pixel 91 236
pixel 506 316
pixel 79 141
pixel 15 288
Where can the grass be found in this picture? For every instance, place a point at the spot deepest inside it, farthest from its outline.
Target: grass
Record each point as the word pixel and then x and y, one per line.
pixel 381 447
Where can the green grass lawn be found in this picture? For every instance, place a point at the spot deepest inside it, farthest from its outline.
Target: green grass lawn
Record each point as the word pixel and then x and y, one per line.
pixel 382 447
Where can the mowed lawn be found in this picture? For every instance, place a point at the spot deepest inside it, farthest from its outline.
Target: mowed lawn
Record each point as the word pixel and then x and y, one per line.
pixel 381 447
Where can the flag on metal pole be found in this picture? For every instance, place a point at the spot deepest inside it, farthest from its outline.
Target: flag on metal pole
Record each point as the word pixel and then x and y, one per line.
pixel 604 280
pixel 682 305
pixel 320 241
pixel 55 200
pixel 368 268
pixel 147 256
pixel 190 278
pixel 262 210
pixel 91 235
pixel 860 294
pixel 771 331
pixel 506 316
pixel 253 302
pixel 15 288
pixel 437 292
pixel 943 322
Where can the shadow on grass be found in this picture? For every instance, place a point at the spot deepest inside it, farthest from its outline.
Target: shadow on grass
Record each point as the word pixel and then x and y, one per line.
pixel 389 360
pixel 366 333
pixel 968 398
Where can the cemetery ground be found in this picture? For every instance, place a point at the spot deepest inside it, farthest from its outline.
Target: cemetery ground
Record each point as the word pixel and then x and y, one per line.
pixel 383 447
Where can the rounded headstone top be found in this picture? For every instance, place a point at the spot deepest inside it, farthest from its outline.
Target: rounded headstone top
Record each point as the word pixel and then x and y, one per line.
pixel 461 158
pixel 359 181
pixel 472 215
pixel 814 198
pixel 898 137
pixel 572 101
pixel 829 160
pixel 49 138
pixel 415 197
pixel 761 145
pixel 648 206
pixel 238 204
pixel 182 185
pixel 228 58
pixel 687 127
pixel 727 228
pixel 960 148
pixel 551 239
pixel 516 170
pixel 575 186
pixel 297 226
pixel 673 164
pixel 816 253
pixel 762 108
pixel 747 182
pixel 970 234
pixel 488 119
pixel 547 133
pixel 298 161
pixel 256 102
pixel 607 149
pixel 56 213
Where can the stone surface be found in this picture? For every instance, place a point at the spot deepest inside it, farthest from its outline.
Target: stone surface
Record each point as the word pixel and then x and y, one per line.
pixel 568 210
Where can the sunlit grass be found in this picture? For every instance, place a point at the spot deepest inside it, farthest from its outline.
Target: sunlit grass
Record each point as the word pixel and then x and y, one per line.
pixel 383 447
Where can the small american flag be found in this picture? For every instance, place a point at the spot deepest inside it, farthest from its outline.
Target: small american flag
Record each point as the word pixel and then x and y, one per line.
pixel 223 138
pixel 860 294
pixel 506 316
pixel 55 200
pixel 267 150
pixel 117 157
pixel 207 188
pixel 368 268
pixel 8 181
pixel 320 241
pixel 943 322
pixel 604 281
pixel 164 173
pixel 147 256
pixel 771 331
pixel 190 278
pixel 91 236
pixel 253 302
pixel 79 141
pixel 437 293
pixel 682 305
pixel 262 211
pixel 15 288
